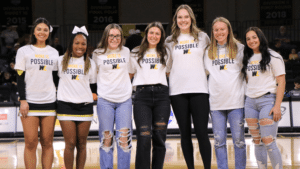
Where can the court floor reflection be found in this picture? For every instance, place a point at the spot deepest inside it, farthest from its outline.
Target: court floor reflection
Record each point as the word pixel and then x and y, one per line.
pixel 12 154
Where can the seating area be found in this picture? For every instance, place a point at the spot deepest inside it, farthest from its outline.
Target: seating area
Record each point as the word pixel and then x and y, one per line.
pixel 292 71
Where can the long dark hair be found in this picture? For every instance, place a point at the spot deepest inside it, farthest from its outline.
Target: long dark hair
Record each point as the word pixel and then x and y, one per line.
pixel 160 48
pixel 67 56
pixel 263 48
pixel 103 44
pixel 32 39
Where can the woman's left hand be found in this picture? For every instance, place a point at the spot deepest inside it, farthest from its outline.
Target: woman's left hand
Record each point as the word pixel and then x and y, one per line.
pixel 276 113
pixel 95 96
pixel 276 110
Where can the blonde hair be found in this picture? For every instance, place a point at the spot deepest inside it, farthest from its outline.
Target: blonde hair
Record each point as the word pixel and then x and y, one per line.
pixel 231 41
pixel 194 30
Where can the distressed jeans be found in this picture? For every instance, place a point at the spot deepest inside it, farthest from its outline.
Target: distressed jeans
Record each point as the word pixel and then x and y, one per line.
pixel 119 114
pixel 263 129
pixel 236 120
pixel 151 115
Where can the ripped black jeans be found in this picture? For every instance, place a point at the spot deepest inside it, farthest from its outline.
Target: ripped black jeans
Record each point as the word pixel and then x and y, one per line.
pixel 151 115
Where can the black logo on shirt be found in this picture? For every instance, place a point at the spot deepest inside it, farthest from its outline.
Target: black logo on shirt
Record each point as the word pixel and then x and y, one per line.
pixel 43 67
pixel 254 67
pixel 75 77
pixel 187 51
pixel 223 67
pixel 153 66
pixel 255 73
pixel 115 66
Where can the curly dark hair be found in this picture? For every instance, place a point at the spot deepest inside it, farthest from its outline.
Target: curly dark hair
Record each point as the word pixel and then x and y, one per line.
pixel 263 48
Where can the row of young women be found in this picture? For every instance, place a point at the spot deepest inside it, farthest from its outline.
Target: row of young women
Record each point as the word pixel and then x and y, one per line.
pixel 186 56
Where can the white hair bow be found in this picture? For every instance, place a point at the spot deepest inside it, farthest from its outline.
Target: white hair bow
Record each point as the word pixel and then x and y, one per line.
pixel 82 30
pixel 51 29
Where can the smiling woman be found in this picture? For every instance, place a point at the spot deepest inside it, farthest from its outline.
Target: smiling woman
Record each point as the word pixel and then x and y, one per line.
pixel 153 36
pixel 265 73
pixel 79 46
pixel 37 93
pixel 114 39
pixel 77 74
pixel 223 61
pixel 184 21
pixel 149 64
pixel 253 41
pixel 188 83
pixel 41 33
pixel 114 104
pixel 220 31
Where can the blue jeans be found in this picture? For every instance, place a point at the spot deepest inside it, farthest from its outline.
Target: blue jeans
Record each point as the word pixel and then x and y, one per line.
pixel 236 121
pixel 120 114
pixel 263 129
pixel 151 116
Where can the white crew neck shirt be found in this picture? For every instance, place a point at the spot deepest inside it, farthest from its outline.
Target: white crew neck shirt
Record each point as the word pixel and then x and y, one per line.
pixel 151 70
pixel 74 85
pixel 225 83
pixel 188 74
pixel 38 64
pixel 113 81
pixel 260 83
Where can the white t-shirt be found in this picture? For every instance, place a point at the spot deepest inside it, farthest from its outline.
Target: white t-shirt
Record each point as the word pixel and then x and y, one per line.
pixel 225 83
pixel 188 74
pixel 38 64
pixel 151 70
pixel 74 85
pixel 261 83
pixel 113 82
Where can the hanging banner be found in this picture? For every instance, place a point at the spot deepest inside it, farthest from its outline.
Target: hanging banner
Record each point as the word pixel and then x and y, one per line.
pixel 276 12
pixel 16 12
pixel 196 5
pixel 100 13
